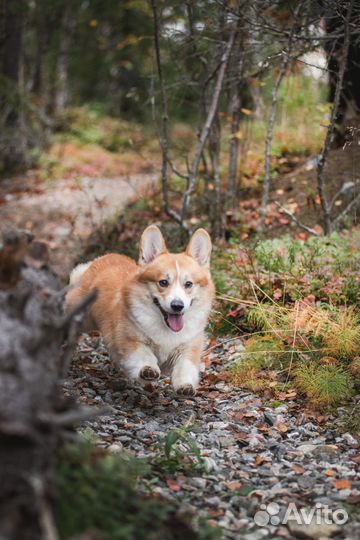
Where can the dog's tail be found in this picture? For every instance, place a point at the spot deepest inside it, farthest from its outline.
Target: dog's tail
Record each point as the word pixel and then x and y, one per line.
pixel 78 272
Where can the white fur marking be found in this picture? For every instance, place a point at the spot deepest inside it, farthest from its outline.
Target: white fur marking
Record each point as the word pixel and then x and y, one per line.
pixel 177 270
pixel 185 372
pixel 78 272
pixel 177 293
pixel 139 359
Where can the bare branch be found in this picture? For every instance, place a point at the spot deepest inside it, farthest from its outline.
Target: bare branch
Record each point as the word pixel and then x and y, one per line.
pixel 79 308
pixel 73 417
pixel 207 126
pixel 295 220
pixel 344 189
pixel 346 211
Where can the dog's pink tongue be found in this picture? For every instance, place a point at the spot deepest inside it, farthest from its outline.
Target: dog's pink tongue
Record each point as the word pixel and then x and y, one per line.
pixel 175 322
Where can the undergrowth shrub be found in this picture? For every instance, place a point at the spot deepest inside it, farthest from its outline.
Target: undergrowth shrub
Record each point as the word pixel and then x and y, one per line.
pixel 96 493
pixel 316 346
pixel 180 452
pixel 286 270
pixel 85 126
pixel 295 300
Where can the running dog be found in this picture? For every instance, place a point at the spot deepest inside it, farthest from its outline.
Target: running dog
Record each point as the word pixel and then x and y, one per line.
pixel 152 315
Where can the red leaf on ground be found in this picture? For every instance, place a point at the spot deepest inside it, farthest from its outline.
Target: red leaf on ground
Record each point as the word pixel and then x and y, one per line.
pixel 174 486
pixel 342 484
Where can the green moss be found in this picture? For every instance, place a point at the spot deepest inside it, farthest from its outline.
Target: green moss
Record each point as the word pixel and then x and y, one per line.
pixel 86 125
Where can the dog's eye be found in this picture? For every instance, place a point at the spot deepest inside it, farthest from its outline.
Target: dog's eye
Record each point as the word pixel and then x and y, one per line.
pixel 163 283
pixel 188 284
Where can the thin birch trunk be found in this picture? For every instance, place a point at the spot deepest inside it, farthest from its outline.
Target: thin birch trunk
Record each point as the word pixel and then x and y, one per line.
pixel 235 105
pixel 270 130
pixel 165 121
pixel 62 71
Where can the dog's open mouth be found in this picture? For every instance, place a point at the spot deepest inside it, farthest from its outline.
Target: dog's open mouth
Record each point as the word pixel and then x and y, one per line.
pixel 173 320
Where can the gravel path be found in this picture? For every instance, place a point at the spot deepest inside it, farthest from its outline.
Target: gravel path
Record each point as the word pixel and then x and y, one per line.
pixel 256 459
pixel 65 213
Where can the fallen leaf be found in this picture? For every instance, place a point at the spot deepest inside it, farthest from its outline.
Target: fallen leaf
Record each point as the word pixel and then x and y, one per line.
pixel 281 427
pixel 174 486
pixel 342 484
pixel 216 513
pixel 242 438
pixel 329 472
pixel 298 469
pixel 233 486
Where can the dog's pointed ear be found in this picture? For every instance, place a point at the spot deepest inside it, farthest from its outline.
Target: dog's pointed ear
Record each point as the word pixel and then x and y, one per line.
pixel 199 247
pixel 152 244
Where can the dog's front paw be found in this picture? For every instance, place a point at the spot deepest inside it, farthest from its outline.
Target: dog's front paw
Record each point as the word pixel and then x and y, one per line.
pixel 186 390
pixel 149 373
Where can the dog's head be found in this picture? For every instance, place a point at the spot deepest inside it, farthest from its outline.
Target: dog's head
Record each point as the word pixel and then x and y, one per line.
pixel 177 284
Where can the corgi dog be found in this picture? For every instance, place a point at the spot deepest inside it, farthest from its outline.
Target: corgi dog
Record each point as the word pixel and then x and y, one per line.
pixel 152 315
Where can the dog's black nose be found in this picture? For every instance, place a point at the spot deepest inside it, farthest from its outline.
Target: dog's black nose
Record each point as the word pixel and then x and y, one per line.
pixel 177 305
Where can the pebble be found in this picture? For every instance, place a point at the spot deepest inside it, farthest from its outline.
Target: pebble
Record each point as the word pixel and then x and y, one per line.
pixel 116 448
pixel 314 530
pixel 246 454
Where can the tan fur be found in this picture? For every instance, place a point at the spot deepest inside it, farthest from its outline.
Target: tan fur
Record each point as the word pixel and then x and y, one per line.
pixel 133 327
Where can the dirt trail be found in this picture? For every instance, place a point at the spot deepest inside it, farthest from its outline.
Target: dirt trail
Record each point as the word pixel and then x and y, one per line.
pixel 66 213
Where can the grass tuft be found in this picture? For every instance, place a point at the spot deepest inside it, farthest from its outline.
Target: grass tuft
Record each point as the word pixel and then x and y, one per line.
pixel 324 385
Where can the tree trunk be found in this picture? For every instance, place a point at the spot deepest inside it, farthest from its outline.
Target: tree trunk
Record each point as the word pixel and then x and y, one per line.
pixel 334 21
pixel 34 411
pixel 59 91
pixel 42 45
pixel 13 13
pixel 235 105
pixel 236 91
pixel 12 144
pixel 62 90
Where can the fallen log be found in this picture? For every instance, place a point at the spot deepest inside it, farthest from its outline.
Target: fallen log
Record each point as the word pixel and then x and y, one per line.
pixel 36 344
